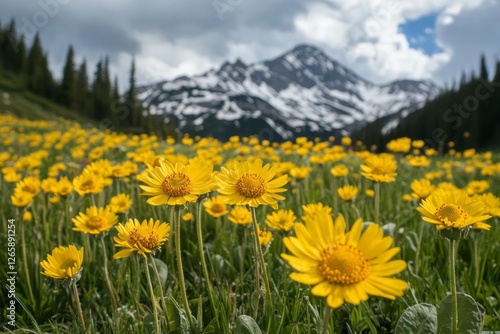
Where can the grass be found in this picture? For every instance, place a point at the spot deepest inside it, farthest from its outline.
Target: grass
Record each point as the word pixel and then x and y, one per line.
pixel 46 306
pixel 21 103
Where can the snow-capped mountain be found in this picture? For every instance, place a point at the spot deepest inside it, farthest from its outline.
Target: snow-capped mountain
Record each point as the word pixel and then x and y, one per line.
pixel 302 92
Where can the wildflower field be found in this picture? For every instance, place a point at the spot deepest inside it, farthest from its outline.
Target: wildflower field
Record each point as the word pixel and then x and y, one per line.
pixel 112 233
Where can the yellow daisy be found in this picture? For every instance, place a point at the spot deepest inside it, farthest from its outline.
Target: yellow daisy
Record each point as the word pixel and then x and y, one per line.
pixel 407 197
pixel 251 184
pixel 64 187
pixel 417 144
pixel 215 207
pixel 29 184
pixel 400 145
pixel 491 204
pixel 339 170
pixel 176 184
pixel 419 161
pixel 421 189
pixel 311 210
pixel 27 216
pixel 300 173
pixel 95 220
pixel 477 187
pixel 63 263
pixel 379 168
pixel 281 220
pixel 347 193
pixel 88 183
pixel 344 267
pixel 21 199
pixel 187 217
pixel 120 203
pixel 265 237
pixel 143 238
pixel 240 215
pixel 453 209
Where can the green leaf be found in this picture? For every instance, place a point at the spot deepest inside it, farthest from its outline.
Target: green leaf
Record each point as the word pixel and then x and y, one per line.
pixel 162 271
pixel 420 318
pixel 177 317
pixel 469 318
pixel 246 325
pixel 149 323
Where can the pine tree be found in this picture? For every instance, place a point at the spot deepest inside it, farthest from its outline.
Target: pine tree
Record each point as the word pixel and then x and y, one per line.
pixel 131 100
pixel 97 92
pixel 35 64
pixel 117 110
pixel 483 72
pixel 82 94
pixel 1 41
pixel 106 90
pixel 21 60
pixel 8 48
pixel 47 85
pixel 68 84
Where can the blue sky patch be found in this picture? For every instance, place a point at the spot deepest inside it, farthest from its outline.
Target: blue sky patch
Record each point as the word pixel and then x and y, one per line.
pixel 421 33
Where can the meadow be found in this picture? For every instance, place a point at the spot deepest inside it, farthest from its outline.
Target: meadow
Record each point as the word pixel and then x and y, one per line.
pixel 66 185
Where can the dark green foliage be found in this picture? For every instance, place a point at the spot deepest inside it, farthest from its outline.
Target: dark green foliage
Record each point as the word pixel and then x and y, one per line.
pixel 68 84
pixel 468 115
pixel 98 99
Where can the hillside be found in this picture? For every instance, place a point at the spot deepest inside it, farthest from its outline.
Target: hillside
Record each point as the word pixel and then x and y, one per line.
pixel 16 100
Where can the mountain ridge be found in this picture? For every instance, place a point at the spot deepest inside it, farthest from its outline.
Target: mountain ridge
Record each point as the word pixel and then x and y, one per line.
pixel 301 92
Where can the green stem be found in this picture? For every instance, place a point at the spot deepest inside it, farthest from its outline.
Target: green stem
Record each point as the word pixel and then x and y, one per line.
pixel 106 276
pixel 335 197
pixel 25 262
pixel 152 295
pixel 299 206
pixel 78 305
pixel 137 282
pixel 261 258
pixel 377 202
pixel 203 262
pixel 162 295
pixel 179 264
pixel 358 214
pixel 453 285
pixel 326 320
pixel 417 252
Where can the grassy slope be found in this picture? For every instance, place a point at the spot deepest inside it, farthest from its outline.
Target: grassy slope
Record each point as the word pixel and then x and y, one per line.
pixel 25 104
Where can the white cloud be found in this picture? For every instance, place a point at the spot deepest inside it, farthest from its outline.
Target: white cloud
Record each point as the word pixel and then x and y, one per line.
pixel 188 37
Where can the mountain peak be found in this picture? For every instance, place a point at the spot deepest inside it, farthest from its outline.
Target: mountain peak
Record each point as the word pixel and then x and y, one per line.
pixel 302 92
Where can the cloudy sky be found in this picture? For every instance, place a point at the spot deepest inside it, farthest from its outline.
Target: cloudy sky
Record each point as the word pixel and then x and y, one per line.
pixel 380 40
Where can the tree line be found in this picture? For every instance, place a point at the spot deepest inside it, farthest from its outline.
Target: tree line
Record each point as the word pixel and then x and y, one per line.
pixel 466 113
pixel 97 98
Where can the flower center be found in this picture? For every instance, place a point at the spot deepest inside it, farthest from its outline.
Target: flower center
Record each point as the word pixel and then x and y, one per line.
pixel 251 185
pixel 450 213
pixel 146 237
pixel 134 237
pixel 87 184
pixel 378 170
pixel 217 207
pixel 95 222
pixel 177 185
pixel 150 241
pixel 68 264
pixel 343 264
